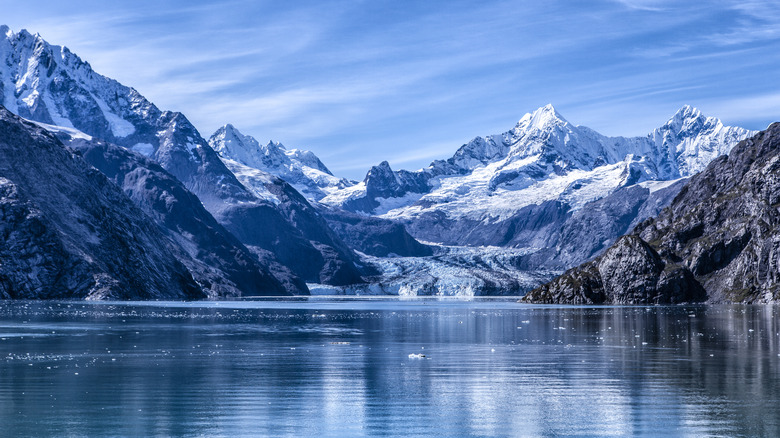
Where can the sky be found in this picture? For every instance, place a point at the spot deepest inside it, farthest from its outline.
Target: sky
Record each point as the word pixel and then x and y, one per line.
pixel 359 82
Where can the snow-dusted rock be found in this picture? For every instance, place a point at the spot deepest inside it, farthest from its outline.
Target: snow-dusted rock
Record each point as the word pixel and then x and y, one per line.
pixel 49 84
pixel 299 168
pixel 218 262
pixel 68 232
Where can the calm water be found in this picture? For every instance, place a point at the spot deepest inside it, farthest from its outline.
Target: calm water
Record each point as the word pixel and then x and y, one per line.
pixel 343 368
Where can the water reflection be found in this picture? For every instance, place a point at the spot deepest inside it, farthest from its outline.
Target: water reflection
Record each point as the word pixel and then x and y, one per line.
pixel 342 368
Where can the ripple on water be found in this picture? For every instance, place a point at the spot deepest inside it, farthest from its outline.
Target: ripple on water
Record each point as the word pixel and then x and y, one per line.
pixel 335 368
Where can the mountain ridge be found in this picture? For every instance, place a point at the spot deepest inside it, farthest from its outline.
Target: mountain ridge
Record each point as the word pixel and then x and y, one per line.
pixel 74 233
pixel 542 145
pixel 717 241
pixel 49 84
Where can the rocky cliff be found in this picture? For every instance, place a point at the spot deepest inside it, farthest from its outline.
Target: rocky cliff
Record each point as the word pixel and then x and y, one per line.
pixel 217 260
pixel 50 84
pixel 68 232
pixel 719 240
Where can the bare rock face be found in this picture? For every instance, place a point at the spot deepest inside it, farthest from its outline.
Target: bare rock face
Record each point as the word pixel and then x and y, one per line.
pixel 68 232
pixel 372 235
pixel 629 272
pixel 58 88
pixel 721 234
pixel 217 260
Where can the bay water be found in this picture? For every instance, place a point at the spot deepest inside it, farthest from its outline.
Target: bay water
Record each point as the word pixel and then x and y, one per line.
pixel 387 367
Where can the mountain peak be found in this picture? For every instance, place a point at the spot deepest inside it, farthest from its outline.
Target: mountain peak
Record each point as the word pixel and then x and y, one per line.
pixel 229 132
pixel 542 118
pixel 228 141
pixel 687 112
pixel 26 36
pixel 276 144
pixel 686 119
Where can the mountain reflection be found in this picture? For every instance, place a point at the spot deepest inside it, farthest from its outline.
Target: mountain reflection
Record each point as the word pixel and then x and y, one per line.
pixel 344 368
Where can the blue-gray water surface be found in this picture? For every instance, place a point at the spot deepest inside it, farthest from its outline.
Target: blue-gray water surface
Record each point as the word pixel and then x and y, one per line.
pixel 387 367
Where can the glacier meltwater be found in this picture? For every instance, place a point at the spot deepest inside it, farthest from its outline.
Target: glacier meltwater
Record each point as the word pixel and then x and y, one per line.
pixel 387 367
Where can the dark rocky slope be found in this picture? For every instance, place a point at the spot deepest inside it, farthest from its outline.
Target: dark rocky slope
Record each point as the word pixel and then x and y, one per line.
pixel 312 250
pixel 68 232
pixel 217 260
pixel 587 232
pixel 372 235
pixel 56 87
pixel 721 234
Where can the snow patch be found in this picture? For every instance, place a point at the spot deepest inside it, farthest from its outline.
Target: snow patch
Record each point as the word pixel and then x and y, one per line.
pixel 655 186
pixel 52 107
pixel 71 132
pixel 119 127
pixel 253 179
pixel 145 149
pixel 387 204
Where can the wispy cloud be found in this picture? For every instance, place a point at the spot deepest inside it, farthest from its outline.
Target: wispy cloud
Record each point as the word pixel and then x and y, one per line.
pixel 644 5
pixel 746 108
pixel 360 82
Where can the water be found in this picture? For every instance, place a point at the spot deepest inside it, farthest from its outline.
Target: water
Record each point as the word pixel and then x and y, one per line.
pixel 317 367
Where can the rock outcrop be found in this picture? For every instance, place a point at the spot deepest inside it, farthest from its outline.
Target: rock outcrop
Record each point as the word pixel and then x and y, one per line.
pixel 372 235
pixel 721 234
pixel 69 232
pixel 217 260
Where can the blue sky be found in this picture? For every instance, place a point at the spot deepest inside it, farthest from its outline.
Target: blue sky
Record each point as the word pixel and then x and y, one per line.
pixel 358 82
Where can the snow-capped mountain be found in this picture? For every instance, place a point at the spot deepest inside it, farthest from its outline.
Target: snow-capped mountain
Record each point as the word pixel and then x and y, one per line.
pixel 301 169
pixel 218 262
pixel 50 84
pixel 543 158
pixel 556 193
pixel 69 233
pixel 717 241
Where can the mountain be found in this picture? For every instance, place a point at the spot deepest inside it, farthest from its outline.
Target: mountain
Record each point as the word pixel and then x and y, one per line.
pixel 717 241
pixel 301 169
pixel 528 187
pixel 238 215
pixel 543 158
pixel 563 193
pixel 68 232
pixel 256 165
pixel 219 263
pixel 372 235
pixel 49 84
